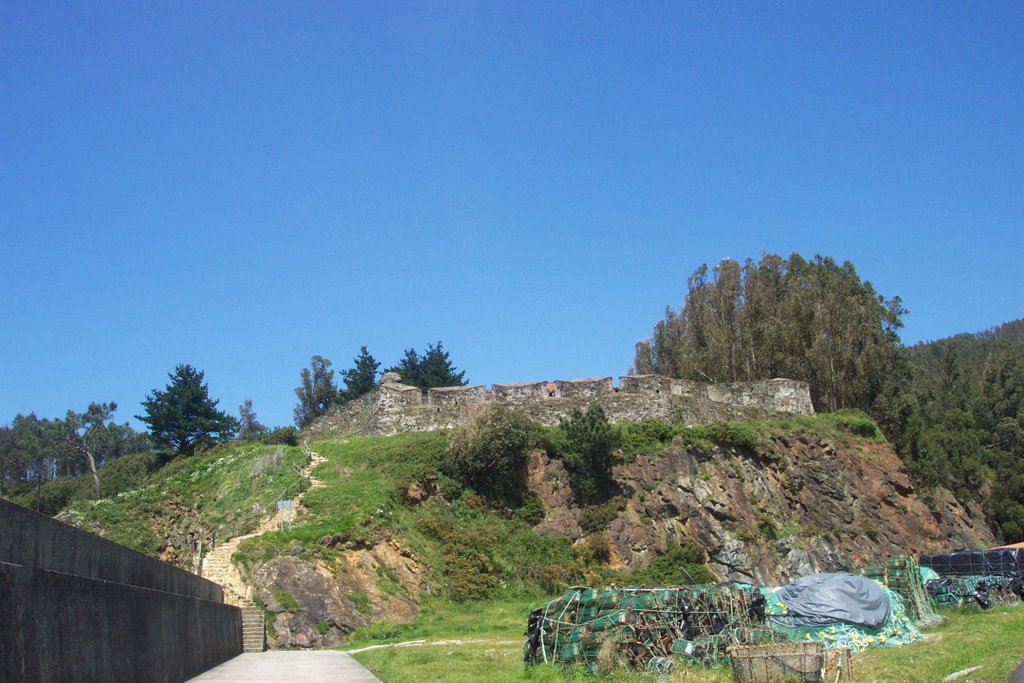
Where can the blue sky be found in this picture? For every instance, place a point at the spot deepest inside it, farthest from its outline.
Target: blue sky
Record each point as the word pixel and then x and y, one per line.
pixel 240 186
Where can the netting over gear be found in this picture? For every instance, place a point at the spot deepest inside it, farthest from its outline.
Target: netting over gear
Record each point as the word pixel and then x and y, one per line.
pixel 995 562
pixel 643 629
pixel 980 590
pixel 903 575
pixel 647 629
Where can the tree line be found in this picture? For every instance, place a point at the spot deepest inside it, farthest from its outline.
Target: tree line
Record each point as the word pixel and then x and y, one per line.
pixel 952 409
pixel 182 418
pixel 318 393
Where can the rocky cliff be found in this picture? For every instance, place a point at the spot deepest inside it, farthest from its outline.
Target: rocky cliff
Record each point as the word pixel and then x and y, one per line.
pixel 795 505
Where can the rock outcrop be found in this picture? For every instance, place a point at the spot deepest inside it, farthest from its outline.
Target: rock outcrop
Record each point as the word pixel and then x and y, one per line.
pixel 315 603
pixel 800 504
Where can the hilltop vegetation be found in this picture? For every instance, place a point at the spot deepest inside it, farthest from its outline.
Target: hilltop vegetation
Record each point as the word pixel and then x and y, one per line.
pixel 954 408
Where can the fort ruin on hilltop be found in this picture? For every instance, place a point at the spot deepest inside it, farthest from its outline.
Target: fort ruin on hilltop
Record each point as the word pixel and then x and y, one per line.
pixel 393 407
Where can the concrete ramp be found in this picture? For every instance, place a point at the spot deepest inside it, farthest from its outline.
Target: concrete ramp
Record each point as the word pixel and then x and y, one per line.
pixel 303 666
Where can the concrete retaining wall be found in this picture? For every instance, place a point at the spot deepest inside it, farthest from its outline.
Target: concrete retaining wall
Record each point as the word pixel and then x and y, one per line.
pixel 76 607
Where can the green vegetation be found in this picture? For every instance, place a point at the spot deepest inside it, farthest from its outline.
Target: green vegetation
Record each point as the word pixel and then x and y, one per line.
pixel 589 443
pixel 214 492
pixel 651 437
pixel 815 321
pixel 953 409
pixel 433 369
pixel 488 452
pixel 249 427
pixel 360 378
pixel 316 392
pixel 286 599
pixel 39 459
pixel 682 564
pixel 183 417
pixel 962 421
pixel 595 518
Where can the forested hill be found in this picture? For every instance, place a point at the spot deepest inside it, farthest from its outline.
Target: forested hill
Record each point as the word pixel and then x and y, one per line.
pixel 964 427
pixel 952 408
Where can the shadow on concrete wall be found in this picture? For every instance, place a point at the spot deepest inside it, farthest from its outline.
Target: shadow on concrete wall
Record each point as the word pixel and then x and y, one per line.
pixel 76 607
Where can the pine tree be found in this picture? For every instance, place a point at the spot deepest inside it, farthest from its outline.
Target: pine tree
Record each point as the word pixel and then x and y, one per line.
pixel 183 416
pixel 361 378
pixel 433 369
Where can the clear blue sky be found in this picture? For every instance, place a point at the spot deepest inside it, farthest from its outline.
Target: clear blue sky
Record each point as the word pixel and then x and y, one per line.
pixel 241 185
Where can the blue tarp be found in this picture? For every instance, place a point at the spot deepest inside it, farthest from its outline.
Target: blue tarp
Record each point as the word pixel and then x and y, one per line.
pixel 823 599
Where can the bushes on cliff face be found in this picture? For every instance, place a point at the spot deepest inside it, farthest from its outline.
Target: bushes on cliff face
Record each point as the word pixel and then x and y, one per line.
pixel 488 451
pixel 681 564
pixel 482 551
pixel 590 443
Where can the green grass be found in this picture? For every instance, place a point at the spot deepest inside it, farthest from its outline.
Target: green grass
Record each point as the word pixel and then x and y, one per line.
pixel 217 492
pixel 651 437
pixel 990 639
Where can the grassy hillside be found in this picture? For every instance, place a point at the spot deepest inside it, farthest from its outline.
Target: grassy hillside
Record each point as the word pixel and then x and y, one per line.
pixel 164 508
pixel 472 546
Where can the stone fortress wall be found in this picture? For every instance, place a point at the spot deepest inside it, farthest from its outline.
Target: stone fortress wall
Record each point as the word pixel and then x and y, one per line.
pixel 394 407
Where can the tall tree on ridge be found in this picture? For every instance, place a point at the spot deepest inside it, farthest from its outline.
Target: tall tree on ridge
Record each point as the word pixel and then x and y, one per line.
pixel 815 321
pixel 361 378
pixel 433 369
pixel 87 435
pixel 183 416
pixel 317 392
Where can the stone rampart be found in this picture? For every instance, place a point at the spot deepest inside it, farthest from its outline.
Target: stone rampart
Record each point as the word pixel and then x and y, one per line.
pixel 393 407
pixel 76 607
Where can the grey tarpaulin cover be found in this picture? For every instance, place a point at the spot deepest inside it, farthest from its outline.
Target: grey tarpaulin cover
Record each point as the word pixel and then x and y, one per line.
pixel 821 599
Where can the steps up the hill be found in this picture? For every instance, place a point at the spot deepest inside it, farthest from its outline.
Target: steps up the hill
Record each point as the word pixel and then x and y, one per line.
pixel 254 634
pixel 216 565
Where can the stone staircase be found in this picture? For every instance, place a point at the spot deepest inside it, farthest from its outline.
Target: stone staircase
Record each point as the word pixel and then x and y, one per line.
pixel 217 566
pixel 254 630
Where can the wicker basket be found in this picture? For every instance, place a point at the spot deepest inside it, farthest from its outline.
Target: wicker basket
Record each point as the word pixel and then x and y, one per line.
pixel 778 662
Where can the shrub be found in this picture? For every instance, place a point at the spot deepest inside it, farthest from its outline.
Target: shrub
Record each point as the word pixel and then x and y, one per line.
pixel 859 424
pixel 283 436
pixel 766 525
pixel 55 495
pixel 681 564
pixel 646 436
pixel 595 550
pixel 531 512
pixel 595 518
pixel 381 630
pixel 590 441
pixel 468 571
pixel 488 452
pixel 733 434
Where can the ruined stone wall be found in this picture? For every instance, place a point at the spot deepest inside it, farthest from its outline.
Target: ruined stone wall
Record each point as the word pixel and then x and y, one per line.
pixel 393 407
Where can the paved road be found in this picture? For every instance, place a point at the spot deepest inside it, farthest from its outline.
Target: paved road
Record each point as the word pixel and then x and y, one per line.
pixel 1018 674
pixel 299 666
